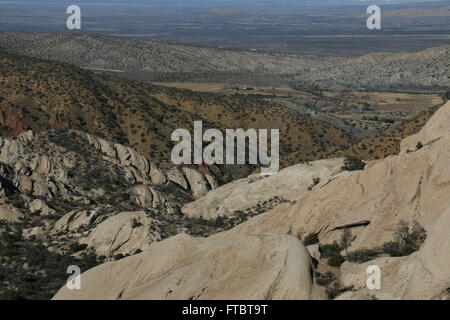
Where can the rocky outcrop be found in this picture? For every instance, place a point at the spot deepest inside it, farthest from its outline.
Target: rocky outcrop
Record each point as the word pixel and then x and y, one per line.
pixel 436 128
pixel 74 220
pixel 291 183
pixel 197 182
pixel 147 196
pixel 123 233
pixel 41 207
pixel 10 214
pixel 263 258
pixel 422 275
pixel 177 177
pixel 239 267
pixel 404 187
pixel 45 174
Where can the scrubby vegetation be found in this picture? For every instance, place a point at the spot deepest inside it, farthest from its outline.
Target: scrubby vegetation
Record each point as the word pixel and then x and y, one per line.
pixel 353 164
pixel 29 270
pixel 406 241
pixel 143 116
pixel 310 239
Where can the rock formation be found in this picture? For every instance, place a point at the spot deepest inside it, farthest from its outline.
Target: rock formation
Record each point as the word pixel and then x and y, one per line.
pixel 257 260
pixel 239 267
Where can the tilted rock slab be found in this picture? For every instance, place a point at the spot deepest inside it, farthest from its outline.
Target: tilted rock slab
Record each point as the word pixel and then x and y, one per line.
pixel 266 266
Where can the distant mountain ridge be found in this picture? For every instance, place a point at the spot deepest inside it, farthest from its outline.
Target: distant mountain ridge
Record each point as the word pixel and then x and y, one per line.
pixel 149 59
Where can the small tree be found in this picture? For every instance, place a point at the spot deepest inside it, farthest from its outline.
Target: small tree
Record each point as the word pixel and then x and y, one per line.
pixel 401 235
pixel 310 239
pixel 419 145
pixel 346 240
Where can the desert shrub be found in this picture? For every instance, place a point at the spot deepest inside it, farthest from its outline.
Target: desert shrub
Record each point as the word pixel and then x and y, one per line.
pixel 310 239
pixel 362 255
pixel 119 256
pixel 123 197
pixel 394 249
pixel 353 164
pixel 336 260
pixel 406 241
pixel 337 289
pixel 333 291
pixel 136 224
pixel 323 281
pixel 329 250
pixel 346 239
pixel 419 145
pixel 75 247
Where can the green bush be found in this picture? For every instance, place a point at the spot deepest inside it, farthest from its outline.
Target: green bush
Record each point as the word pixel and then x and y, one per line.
pixel 136 224
pixel 75 247
pixel 336 260
pixel 333 292
pixel 394 249
pixel 323 281
pixel 310 239
pixel 362 255
pixel 119 256
pixel 353 164
pixel 329 250
pixel 406 241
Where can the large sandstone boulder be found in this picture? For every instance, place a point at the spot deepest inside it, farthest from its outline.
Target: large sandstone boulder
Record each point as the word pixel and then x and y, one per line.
pixel 122 233
pixel 10 214
pixel 182 267
pixel 40 206
pixel 147 196
pixel 197 182
pixel 74 220
pixel 177 177
pixel 156 176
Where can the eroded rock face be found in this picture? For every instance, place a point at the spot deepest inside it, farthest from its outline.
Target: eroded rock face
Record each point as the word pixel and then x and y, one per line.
pixel 45 174
pixel 405 187
pixel 197 182
pixel 436 128
pixel 123 233
pixel 291 183
pixel 238 267
pixel 72 188
pixel 10 214
pixel 421 275
pixel 40 206
pixel 263 257
pixel 74 220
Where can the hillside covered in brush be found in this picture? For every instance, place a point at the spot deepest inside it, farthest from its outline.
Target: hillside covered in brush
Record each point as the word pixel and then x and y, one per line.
pixel 41 95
